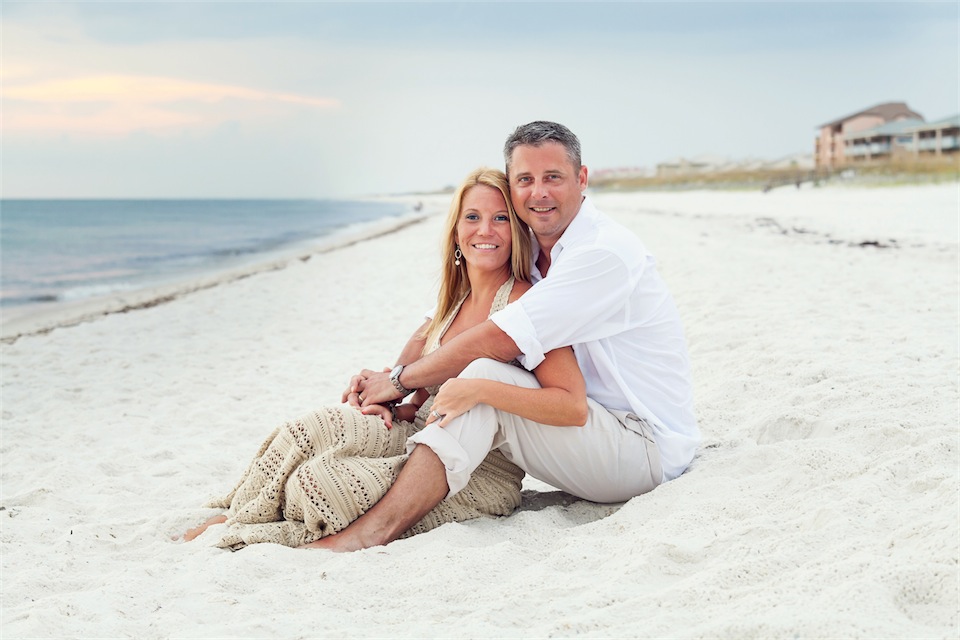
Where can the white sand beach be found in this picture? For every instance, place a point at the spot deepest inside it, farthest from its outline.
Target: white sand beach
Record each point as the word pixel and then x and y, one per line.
pixel 824 501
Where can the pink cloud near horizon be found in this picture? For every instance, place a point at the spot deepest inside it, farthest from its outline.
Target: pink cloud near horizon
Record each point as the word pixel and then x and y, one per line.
pixel 120 104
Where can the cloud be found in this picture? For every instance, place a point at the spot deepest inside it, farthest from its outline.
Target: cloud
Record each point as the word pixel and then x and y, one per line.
pixel 13 70
pixel 120 104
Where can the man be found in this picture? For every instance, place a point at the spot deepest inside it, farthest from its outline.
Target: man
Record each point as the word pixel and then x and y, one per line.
pixel 596 289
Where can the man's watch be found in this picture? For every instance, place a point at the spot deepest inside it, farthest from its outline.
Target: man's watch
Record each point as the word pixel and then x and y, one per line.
pixel 395 379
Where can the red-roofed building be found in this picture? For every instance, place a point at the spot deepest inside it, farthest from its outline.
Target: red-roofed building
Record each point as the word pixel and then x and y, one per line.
pixel 829 147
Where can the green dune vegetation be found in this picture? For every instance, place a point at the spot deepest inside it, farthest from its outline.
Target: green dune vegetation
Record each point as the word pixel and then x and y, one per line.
pixel 901 171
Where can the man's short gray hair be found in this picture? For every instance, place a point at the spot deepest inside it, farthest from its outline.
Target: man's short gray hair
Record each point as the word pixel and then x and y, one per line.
pixel 539 132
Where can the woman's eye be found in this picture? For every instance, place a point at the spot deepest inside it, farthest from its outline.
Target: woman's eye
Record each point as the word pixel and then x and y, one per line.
pixel 502 218
pixel 471 216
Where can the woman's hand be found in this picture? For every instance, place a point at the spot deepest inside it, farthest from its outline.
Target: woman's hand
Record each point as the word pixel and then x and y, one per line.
pixel 379 410
pixel 351 395
pixel 456 397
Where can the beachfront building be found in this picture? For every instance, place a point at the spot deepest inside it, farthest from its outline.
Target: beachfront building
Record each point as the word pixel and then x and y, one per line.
pixel 830 145
pixel 889 140
pixel 907 139
pixel 936 139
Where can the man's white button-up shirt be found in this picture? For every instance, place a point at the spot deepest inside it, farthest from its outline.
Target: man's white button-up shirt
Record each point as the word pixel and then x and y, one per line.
pixel 603 296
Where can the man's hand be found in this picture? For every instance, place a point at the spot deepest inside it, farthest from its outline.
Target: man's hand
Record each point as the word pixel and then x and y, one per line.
pixel 351 394
pixel 376 388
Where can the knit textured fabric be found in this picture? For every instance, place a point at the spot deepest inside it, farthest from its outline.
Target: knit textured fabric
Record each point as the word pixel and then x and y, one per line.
pixel 314 476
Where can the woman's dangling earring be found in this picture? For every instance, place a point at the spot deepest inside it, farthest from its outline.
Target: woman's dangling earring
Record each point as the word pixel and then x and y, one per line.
pixel 457 255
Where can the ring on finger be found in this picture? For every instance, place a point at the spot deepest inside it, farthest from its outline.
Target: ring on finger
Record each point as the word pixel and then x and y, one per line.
pixel 360 397
pixel 436 414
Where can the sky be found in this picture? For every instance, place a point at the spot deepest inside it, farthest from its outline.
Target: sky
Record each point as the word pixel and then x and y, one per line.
pixel 331 100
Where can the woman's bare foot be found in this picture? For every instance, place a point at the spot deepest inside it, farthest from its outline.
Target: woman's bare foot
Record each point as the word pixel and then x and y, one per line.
pixel 196 531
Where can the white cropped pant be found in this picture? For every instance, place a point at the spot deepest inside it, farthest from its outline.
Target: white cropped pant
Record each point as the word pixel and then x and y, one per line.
pixel 611 459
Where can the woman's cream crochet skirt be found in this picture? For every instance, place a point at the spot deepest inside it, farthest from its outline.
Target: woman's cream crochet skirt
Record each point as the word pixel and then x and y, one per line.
pixel 314 476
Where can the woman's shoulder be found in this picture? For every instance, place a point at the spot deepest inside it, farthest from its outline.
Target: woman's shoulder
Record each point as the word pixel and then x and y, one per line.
pixel 519 288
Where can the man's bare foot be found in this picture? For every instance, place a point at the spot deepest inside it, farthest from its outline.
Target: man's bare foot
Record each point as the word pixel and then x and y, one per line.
pixel 339 543
pixel 421 485
pixel 196 531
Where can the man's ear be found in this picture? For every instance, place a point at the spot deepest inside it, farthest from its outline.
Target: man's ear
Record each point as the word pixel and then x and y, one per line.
pixel 582 178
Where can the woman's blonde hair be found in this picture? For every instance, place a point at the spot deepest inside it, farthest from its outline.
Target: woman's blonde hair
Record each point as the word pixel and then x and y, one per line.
pixel 454 282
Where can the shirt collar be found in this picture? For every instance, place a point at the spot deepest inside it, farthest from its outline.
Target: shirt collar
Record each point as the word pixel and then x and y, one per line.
pixel 580 222
pixel 577 226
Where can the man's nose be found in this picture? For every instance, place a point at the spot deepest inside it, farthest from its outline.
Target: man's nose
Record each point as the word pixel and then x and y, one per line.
pixel 539 190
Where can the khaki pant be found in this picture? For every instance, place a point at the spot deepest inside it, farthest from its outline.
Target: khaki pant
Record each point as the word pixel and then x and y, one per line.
pixel 611 459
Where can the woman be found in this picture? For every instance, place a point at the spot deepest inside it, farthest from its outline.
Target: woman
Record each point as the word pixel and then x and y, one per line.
pixel 314 476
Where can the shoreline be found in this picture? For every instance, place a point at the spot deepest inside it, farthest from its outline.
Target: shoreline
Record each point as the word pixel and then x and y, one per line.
pixel 37 319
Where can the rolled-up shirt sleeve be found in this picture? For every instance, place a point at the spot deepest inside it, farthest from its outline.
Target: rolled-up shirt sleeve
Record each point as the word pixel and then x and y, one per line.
pixel 514 321
pixel 585 297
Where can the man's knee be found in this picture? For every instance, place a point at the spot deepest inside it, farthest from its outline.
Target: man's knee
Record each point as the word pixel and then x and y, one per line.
pixel 481 368
pixel 488 369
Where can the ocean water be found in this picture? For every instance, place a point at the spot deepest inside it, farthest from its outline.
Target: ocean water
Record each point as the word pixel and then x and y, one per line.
pixel 56 251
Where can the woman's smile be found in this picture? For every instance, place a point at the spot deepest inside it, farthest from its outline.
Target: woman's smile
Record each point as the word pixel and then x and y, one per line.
pixel 483 231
